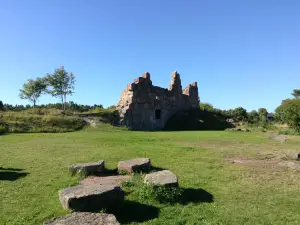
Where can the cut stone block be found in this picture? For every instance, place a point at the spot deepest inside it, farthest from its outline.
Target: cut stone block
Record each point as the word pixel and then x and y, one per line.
pixel 91 197
pixel 276 137
pixel 164 177
pixel 84 218
pixel 87 168
pixel 135 165
pixel 110 180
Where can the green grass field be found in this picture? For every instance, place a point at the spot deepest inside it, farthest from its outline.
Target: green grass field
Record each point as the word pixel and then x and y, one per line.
pixel 261 187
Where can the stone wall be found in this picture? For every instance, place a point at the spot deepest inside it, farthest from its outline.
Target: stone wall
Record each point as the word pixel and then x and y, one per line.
pixel 143 106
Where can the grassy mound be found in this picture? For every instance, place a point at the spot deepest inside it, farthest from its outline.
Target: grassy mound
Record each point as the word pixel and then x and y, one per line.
pixel 29 122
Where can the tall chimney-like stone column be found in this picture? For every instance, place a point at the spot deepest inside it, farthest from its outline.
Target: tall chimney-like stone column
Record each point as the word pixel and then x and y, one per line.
pixel 175 85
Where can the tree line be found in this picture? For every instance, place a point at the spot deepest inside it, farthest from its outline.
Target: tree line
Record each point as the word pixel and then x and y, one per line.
pixel 288 112
pixel 238 114
pixel 69 105
pixel 59 84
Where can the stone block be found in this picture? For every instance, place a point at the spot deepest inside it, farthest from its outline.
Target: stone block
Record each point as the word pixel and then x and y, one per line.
pixel 91 197
pixel 84 218
pixel 87 168
pixel 164 178
pixel 135 165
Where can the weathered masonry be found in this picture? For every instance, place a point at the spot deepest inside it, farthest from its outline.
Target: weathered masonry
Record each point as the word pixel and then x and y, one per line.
pixel 143 106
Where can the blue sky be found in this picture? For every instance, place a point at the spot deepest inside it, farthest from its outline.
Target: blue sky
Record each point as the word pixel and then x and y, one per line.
pixel 241 53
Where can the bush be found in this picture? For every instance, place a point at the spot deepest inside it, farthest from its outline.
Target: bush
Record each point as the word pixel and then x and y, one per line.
pixel 147 192
pixel 263 125
pixel 289 132
pixel 161 194
pixel 3 129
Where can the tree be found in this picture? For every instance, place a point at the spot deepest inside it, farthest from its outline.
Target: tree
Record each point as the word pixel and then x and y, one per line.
pixel 289 112
pixel 62 84
pixel 33 89
pixel 239 114
pixel 1 105
pixel 253 116
pixel 296 93
pixel 262 112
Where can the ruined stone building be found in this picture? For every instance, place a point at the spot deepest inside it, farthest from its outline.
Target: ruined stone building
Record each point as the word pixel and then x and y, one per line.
pixel 143 106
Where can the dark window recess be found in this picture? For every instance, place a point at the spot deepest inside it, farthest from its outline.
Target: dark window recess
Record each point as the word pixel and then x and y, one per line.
pixel 157 114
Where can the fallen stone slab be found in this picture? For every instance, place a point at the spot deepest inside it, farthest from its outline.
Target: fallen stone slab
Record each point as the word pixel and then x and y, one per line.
pixel 135 165
pixel 84 218
pixel 109 180
pixel 164 177
pixel 282 139
pixel 91 197
pixel 276 137
pixel 289 164
pixel 87 168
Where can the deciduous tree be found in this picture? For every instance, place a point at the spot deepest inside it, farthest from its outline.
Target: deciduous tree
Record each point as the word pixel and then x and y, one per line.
pixel 253 116
pixel 61 84
pixel 239 114
pixel 33 89
pixel 262 114
pixel 289 112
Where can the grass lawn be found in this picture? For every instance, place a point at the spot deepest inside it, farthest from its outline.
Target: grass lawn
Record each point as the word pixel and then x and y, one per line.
pixel 261 186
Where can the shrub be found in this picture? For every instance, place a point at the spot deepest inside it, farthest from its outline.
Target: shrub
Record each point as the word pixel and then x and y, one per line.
pixel 3 129
pixel 289 132
pixel 147 192
pixel 161 194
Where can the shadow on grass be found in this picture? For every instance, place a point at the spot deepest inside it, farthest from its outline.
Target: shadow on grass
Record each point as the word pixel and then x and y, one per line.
pixel 134 212
pixel 192 195
pixel 130 212
pixel 156 169
pixel 11 174
pixel 183 196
